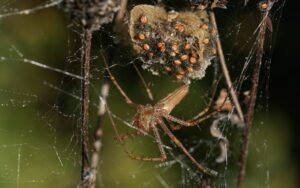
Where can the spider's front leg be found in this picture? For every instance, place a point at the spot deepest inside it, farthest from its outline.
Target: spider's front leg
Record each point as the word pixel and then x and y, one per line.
pixel 200 117
pixel 115 82
pixel 167 104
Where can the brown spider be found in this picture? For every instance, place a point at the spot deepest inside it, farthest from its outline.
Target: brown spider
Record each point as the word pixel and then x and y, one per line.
pixel 149 117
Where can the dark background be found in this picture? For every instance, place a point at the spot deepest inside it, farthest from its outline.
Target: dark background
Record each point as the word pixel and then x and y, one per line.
pixel 285 80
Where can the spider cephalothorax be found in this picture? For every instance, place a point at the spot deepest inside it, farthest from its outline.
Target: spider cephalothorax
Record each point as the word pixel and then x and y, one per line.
pixel 178 43
pixel 91 14
pixel 150 115
pixel 144 117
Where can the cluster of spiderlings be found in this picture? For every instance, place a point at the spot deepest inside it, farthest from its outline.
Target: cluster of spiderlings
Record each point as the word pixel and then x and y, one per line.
pixel 180 44
pixel 91 14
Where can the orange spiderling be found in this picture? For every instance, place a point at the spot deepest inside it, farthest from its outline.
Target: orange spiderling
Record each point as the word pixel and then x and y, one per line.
pixel 184 57
pixel 146 47
pixel 187 46
pixel 143 19
pixel 177 62
pixel 141 36
pixel 205 41
pixel 193 60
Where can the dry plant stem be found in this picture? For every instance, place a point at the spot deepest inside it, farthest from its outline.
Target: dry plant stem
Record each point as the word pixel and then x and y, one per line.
pixel 85 102
pixel 105 87
pixel 99 132
pixel 121 13
pixel 251 107
pixel 225 69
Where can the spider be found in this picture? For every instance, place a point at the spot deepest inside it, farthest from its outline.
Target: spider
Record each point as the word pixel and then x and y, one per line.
pixel 149 118
pixel 179 44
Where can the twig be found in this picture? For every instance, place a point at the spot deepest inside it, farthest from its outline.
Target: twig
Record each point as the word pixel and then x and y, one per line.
pixel 97 145
pixel 85 102
pixel 121 13
pixel 105 87
pixel 225 69
pixel 251 107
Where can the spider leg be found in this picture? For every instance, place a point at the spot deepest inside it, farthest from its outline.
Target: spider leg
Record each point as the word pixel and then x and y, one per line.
pixel 211 101
pixel 186 152
pixel 163 155
pixel 126 136
pixel 173 126
pixel 149 93
pixel 183 123
pixel 114 81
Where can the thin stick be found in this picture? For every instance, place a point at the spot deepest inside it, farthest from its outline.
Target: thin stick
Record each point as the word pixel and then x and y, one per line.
pixel 99 132
pixel 121 13
pixel 251 107
pixel 225 69
pixel 85 104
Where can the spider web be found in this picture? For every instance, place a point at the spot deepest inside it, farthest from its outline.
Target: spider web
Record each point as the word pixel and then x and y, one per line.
pixel 40 103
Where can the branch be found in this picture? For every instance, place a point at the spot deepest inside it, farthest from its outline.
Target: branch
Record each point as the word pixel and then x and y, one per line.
pixel 105 87
pixel 85 103
pixel 253 96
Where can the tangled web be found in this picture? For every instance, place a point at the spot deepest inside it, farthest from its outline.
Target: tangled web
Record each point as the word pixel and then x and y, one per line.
pixel 40 76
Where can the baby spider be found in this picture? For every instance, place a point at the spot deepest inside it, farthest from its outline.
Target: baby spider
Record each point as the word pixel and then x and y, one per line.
pixel 149 117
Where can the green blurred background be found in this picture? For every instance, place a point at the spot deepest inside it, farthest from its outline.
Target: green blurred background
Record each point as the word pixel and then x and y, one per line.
pixel 39 125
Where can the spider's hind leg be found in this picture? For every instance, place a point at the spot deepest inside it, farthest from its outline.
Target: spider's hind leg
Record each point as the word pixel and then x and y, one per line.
pixel 163 155
pixel 126 136
pixel 186 152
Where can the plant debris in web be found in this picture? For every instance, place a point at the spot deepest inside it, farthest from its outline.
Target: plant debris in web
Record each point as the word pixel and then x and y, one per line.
pixel 91 14
pixel 181 44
